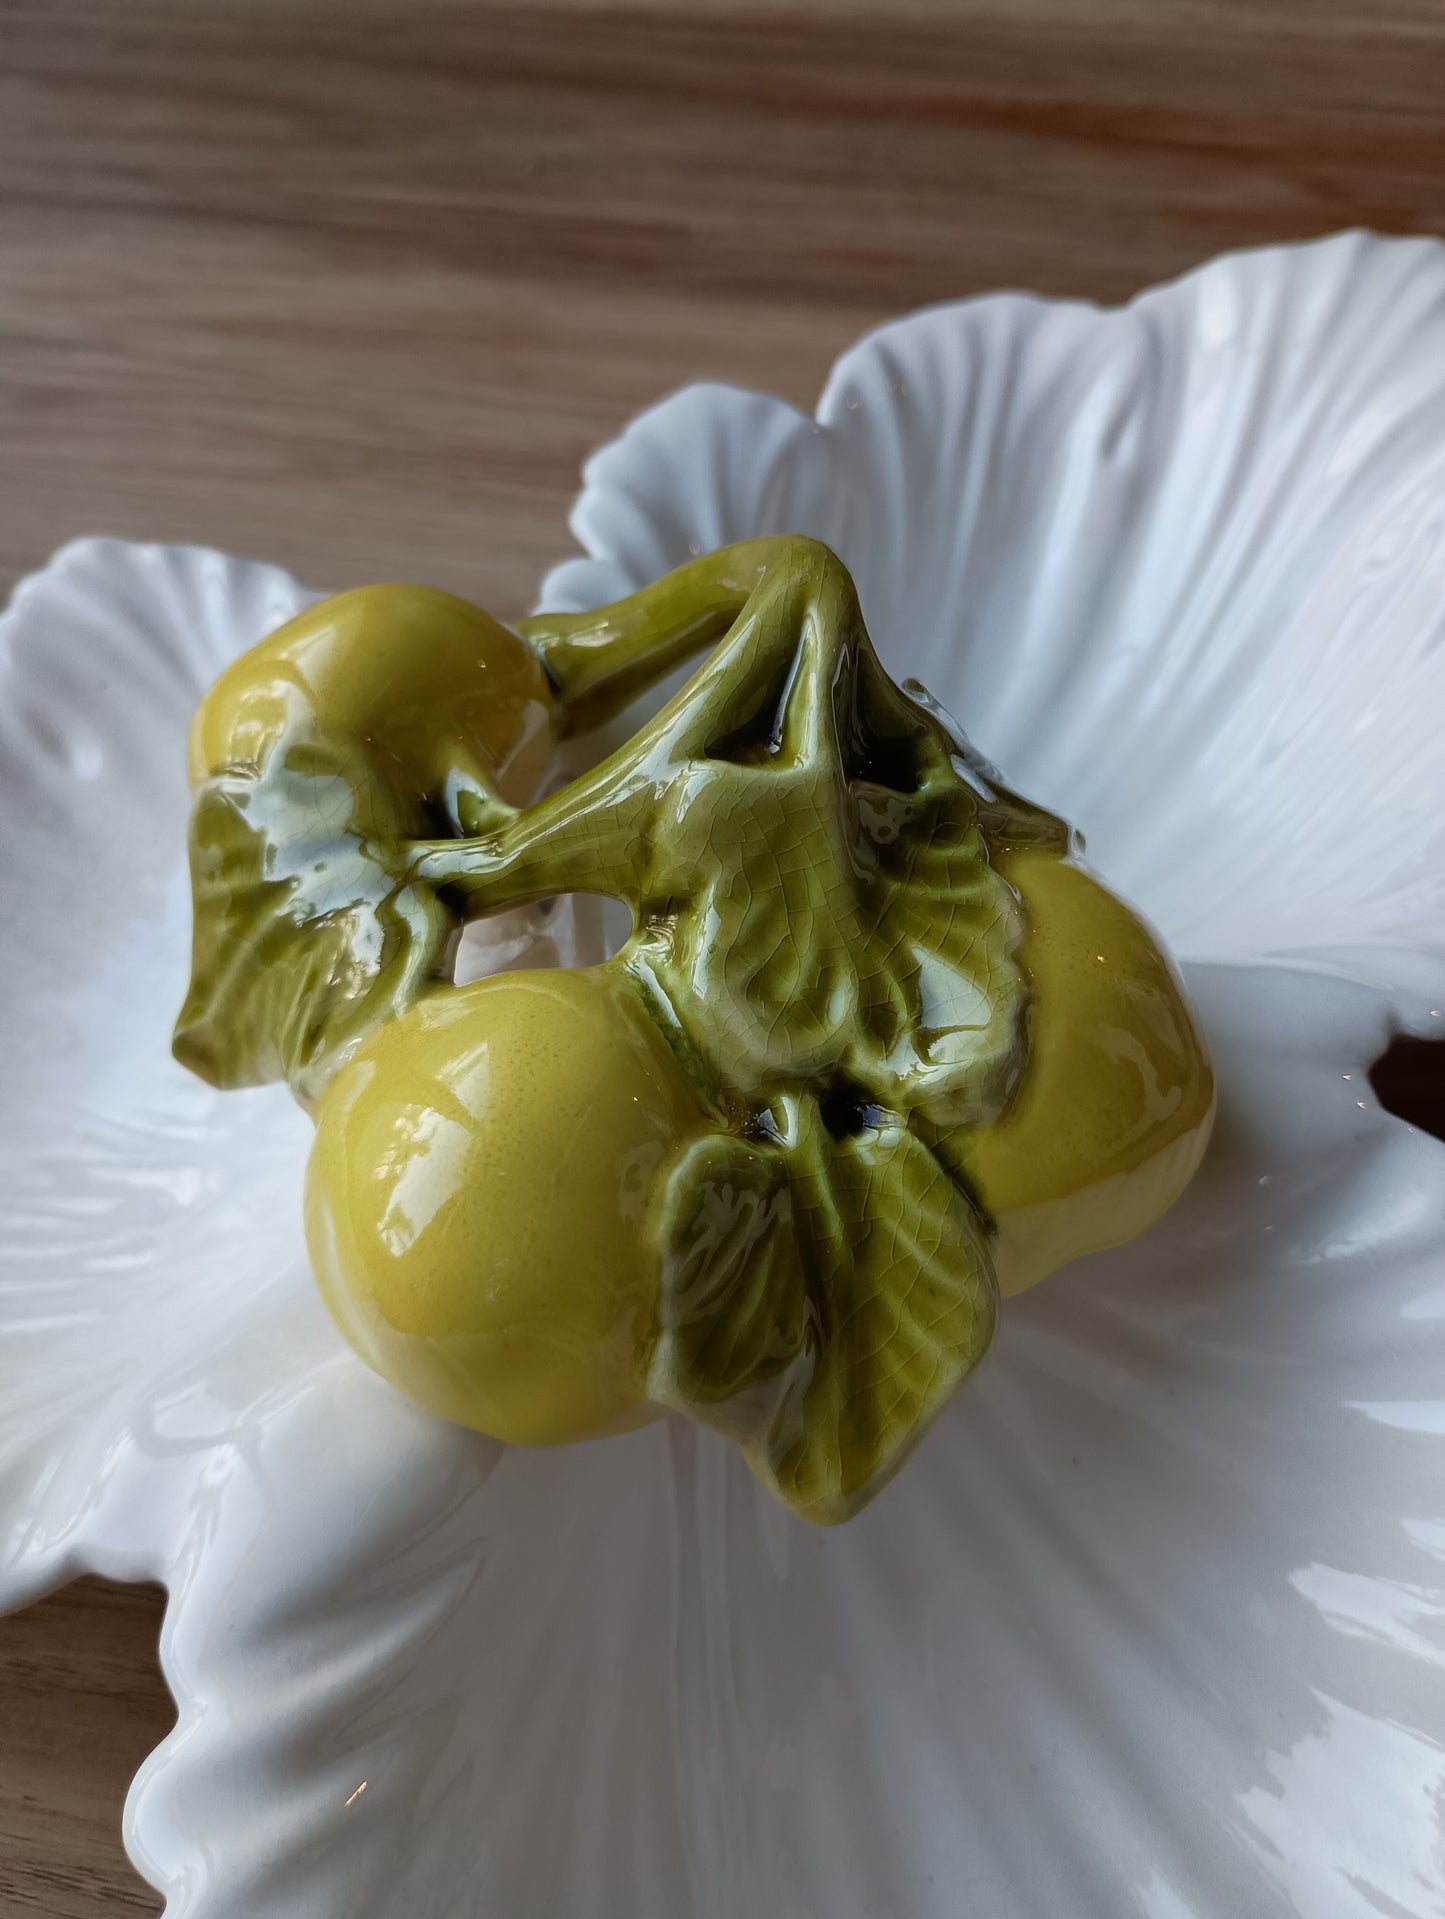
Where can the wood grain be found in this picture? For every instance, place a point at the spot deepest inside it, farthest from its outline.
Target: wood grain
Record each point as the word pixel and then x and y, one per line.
pixel 80 1707
pixel 356 286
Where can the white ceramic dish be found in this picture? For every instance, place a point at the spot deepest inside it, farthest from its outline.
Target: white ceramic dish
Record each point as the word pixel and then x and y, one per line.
pixel 1153 1622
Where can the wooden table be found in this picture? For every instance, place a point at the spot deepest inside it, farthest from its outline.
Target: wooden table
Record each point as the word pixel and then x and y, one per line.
pixel 355 286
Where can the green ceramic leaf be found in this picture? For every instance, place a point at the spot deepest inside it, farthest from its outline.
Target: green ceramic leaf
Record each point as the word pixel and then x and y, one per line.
pixel 308 932
pixel 821 1298
pixel 805 856
pixel 827 906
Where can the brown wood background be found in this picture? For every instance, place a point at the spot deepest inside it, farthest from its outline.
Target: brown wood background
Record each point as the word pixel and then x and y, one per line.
pixel 355 287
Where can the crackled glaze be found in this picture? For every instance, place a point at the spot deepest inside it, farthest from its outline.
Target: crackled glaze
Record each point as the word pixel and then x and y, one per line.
pixel 1153 1623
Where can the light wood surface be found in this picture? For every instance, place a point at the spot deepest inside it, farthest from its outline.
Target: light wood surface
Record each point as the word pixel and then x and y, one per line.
pixel 355 287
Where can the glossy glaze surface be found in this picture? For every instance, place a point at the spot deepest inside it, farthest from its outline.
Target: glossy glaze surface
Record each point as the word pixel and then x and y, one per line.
pixel 478 1198
pixel 1113 1112
pixel 1151 1623
pixel 434 691
pixel 375 718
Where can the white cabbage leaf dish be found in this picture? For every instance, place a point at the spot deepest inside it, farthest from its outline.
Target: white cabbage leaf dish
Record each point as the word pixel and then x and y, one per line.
pixel 1152 1624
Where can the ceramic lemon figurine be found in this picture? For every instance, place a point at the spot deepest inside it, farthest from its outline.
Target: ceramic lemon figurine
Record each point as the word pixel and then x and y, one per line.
pixel 878 1049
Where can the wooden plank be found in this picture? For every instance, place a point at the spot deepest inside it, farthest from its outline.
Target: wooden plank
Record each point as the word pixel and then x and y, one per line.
pixel 81 1704
pixel 358 293
pixel 355 287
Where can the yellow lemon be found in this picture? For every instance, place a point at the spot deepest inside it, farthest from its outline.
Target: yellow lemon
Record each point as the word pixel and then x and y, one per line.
pixel 1114 1109
pixel 478 1197
pixel 422 681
